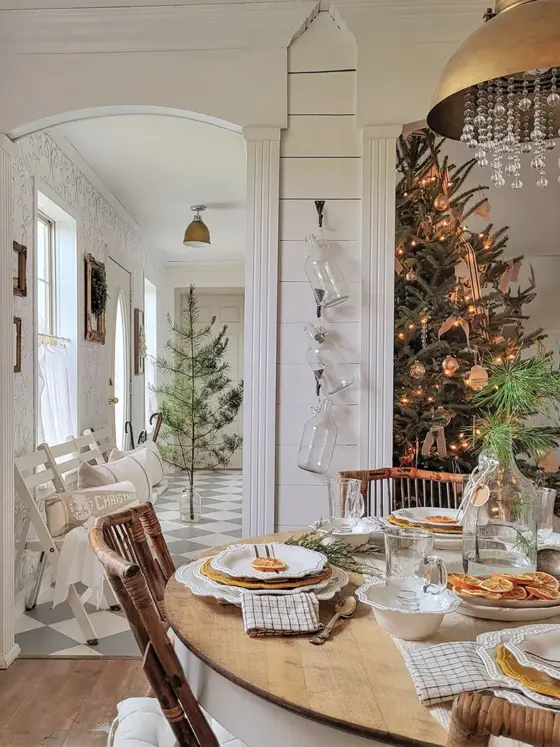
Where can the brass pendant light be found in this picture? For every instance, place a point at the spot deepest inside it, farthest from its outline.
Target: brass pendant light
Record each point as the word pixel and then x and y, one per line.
pixel 197 234
pixel 500 92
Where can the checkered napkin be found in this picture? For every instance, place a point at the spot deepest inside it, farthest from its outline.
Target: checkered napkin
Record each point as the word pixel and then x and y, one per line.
pixel 441 672
pixel 290 614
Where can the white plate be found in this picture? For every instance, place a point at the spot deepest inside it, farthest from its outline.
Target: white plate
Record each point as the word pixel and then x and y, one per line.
pixel 507 614
pixel 541 651
pixel 420 516
pixel 487 648
pixel 283 592
pixel 232 595
pixel 235 561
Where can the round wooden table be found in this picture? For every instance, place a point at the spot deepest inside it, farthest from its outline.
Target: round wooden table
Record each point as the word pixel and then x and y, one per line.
pixel 286 692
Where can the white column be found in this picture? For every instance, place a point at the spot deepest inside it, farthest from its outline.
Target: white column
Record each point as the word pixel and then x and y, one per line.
pixel 378 284
pixel 8 648
pixel 261 293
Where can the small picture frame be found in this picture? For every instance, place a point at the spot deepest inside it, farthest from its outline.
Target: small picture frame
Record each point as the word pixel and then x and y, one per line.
pixel 139 342
pixel 95 325
pixel 20 269
pixel 17 344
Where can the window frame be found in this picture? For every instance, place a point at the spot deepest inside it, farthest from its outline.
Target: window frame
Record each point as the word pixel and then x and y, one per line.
pixel 50 282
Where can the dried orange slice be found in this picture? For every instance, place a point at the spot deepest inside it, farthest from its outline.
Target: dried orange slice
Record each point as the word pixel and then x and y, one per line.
pixel 463 581
pixel 517 593
pixel 471 593
pixel 542 592
pixel 522 579
pixel 497 585
pixel 441 520
pixel 491 595
pixel 545 579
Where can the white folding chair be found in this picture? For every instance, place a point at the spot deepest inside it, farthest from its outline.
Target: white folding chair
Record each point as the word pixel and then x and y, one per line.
pixel 32 471
pixel 96 444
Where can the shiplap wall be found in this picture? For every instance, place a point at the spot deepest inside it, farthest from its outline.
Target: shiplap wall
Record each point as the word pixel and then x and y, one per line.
pixel 320 160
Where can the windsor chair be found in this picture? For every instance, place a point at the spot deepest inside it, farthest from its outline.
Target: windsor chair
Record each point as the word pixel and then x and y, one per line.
pixel 385 490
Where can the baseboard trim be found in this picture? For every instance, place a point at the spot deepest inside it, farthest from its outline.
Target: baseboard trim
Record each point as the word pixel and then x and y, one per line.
pixel 10 656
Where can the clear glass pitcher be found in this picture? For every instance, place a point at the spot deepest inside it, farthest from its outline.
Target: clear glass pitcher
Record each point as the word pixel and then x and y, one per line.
pixel 331 372
pixel 500 519
pixel 318 439
pixel 324 275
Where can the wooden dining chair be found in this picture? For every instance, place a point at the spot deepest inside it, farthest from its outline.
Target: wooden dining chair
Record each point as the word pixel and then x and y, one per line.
pixel 138 578
pixel 385 490
pixel 478 717
pixel 135 535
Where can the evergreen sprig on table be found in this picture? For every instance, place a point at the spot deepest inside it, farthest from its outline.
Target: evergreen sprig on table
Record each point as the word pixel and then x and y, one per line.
pixel 338 553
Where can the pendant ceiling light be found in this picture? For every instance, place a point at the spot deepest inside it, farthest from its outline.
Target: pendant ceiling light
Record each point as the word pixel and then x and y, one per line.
pixel 197 233
pixel 500 92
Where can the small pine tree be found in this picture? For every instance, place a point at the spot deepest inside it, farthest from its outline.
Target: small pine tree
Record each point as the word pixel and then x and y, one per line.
pixel 430 241
pixel 199 401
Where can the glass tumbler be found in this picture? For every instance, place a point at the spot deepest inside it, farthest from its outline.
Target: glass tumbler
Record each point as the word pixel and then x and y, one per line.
pixel 409 561
pixel 346 504
pixel 547 499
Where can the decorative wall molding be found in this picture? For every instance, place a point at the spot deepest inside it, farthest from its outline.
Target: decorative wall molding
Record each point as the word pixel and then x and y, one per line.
pixel 8 649
pixel 378 267
pixel 212 26
pixel 261 311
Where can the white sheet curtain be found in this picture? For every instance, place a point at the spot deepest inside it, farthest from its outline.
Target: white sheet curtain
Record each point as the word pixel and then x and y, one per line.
pixel 55 422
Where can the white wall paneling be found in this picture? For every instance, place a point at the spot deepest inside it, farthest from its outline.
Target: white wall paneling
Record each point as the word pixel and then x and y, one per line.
pixel 8 648
pixel 327 47
pixel 329 93
pixel 345 457
pixel 320 178
pixel 297 304
pixel 337 136
pixel 296 386
pixel 292 418
pixel 378 270
pixel 299 218
pixel 259 411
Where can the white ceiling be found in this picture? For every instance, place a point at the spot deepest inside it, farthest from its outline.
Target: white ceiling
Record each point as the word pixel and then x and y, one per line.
pixel 158 166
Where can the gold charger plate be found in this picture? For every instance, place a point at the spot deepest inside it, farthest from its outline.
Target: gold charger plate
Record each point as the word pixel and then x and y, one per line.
pixel 408 525
pixel 246 583
pixel 538 682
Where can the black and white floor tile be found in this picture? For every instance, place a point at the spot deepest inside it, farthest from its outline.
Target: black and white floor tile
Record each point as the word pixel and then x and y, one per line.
pixel 44 631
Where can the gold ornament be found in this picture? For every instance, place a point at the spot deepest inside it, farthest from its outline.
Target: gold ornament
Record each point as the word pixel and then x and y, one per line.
pixel 417 370
pixel 478 378
pixel 450 365
pixel 411 276
pixel 441 203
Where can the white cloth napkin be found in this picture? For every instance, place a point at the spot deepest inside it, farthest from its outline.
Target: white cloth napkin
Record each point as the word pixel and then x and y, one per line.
pixel 289 614
pixel 441 672
pixel 77 562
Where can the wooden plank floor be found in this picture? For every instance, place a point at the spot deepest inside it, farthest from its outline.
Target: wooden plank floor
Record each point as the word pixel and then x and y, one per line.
pixel 57 702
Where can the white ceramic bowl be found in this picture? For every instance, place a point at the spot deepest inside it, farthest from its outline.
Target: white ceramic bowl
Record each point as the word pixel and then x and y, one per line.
pixel 358 536
pixel 408 625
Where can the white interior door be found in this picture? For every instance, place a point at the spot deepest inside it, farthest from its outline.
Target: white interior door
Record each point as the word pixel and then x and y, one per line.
pixel 228 309
pixel 118 323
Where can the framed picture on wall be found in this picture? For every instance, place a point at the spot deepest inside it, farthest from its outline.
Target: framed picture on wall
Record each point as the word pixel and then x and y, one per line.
pixel 17 344
pixel 20 269
pixel 95 298
pixel 139 342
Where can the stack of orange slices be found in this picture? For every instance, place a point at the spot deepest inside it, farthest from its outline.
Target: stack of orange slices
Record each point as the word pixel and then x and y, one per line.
pixel 507 587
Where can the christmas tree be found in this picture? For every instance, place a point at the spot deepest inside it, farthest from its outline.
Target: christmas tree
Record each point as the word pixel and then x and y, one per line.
pixel 455 311
pixel 199 401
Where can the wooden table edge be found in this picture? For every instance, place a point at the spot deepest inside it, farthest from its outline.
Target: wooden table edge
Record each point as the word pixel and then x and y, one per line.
pixel 345 726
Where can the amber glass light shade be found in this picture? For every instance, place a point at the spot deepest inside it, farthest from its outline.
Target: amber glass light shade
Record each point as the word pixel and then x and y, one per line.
pixel 197 233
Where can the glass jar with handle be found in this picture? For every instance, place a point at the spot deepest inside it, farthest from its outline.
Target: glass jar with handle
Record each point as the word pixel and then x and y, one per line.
pixel 331 372
pixel 318 439
pixel 410 562
pixel 324 275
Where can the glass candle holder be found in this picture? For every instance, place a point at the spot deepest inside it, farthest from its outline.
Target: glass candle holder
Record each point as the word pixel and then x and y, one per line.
pixel 547 499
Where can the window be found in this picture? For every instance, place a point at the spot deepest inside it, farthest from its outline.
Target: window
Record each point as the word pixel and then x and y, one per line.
pixel 150 331
pixel 56 310
pixel 46 322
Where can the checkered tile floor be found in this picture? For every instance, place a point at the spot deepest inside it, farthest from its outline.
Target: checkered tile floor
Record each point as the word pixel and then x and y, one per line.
pixel 44 631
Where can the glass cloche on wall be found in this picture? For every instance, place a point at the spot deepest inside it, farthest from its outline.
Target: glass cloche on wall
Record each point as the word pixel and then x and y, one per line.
pixel 332 373
pixel 318 439
pixel 324 275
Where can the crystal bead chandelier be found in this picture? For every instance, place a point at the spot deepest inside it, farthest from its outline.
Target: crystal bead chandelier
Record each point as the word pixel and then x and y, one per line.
pixel 499 94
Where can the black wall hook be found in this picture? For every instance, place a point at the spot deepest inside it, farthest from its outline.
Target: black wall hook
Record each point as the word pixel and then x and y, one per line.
pixel 320 205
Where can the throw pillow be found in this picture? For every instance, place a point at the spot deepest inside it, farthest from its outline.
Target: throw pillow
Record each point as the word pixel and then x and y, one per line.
pixel 66 511
pixel 147 456
pixel 142 724
pixel 96 475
